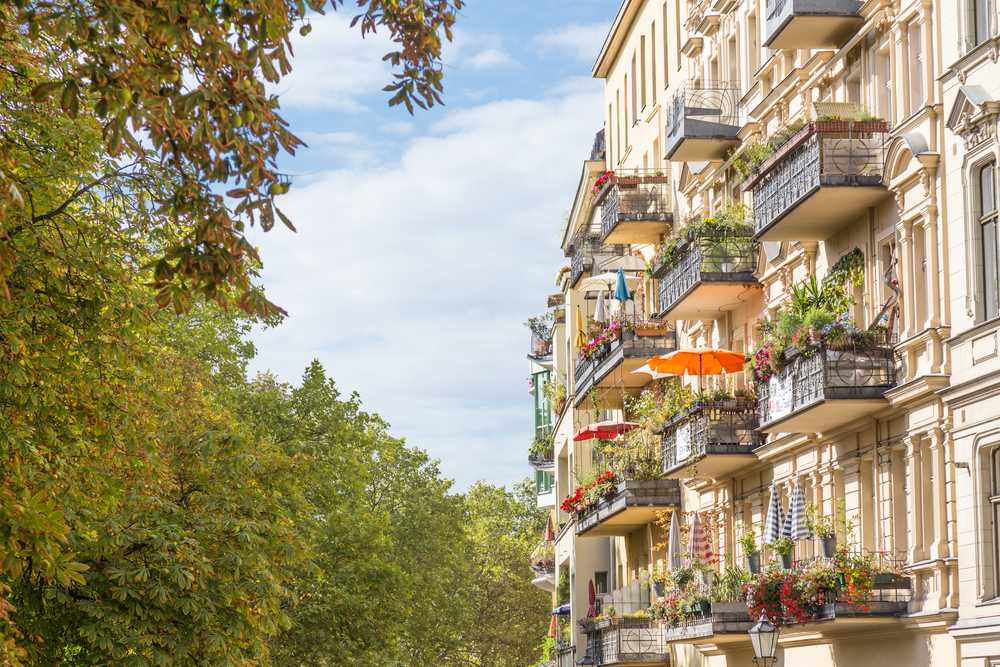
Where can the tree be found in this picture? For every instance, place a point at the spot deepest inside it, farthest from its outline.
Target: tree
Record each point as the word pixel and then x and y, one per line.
pixel 506 614
pixel 175 91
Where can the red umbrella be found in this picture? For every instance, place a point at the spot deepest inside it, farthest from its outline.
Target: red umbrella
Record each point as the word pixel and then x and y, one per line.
pixel 605 430
pixel 592 598
pixel 550 535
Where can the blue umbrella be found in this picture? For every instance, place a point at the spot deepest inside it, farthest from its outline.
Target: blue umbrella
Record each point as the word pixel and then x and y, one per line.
pixel 621 289
pixel 563 610
pixel 775 519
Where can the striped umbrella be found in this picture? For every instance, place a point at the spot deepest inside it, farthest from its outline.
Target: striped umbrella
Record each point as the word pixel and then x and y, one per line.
pixel 795 522
pixel 674 543
pixel 774 520
pixel 699 546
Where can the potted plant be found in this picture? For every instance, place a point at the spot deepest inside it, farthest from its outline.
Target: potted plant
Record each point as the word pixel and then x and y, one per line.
pixel 683 576
pixel 659 576
pixel 783 546
pixel 826 526
pixel 650 328
pixel 748 542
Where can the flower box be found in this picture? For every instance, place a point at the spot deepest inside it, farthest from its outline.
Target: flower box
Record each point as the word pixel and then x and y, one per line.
pixel 649 332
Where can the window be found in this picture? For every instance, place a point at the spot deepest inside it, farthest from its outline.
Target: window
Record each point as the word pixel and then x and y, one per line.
pixel 916 60
pixel 677 23
pixel 635 92
pixel 666 50
pixel 988 237
pixel 652 59
pixel 752 49
pixel 600 583
pixel 642 70
pixel 995 513
pixel 885 87
pixel 981 20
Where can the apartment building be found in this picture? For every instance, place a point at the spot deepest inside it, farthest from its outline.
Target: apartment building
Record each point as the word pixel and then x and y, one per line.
pixel 828 167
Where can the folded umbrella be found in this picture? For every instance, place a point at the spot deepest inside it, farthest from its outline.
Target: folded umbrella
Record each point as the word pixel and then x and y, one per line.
pixel 550 535
pixel 775 519
pixel 674 543
pixel 621 288
pixel 795 522
pixel 581 338
pixel 601 312
pixel 699 546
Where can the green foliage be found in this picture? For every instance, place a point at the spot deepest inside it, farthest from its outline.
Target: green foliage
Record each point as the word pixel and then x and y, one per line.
pixel 829 525
pixel 175 102
pixel 542 445
pixel 782 546
pixel 562 588
pixel 748 540
pixel 554 389
pixel 729 586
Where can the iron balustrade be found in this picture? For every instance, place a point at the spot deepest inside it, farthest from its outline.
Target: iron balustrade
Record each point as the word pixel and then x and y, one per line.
pixel 582 377
pixel 627 640
pixel 585 248
pixel 708 257
pixel 721 427
pixel 703 110
pixel 636 199
pixel 631 493
pixel 565 658
pixel 774 8
pixel 821 154
pixel 608 356
pixel 850 371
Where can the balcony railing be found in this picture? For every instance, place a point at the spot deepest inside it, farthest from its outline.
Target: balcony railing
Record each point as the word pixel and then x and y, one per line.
pixel 611 355
pixel 635 504
pixel 635 208
pixel 541 349
pixel 811 24
pixel 703 122
pixel 827 386
pixel 564 657
pixel 545 462
pixel 627 641
pixel 723 622
pixel 716 259
pixel 797 192
pixel 711 439
pixel 585 249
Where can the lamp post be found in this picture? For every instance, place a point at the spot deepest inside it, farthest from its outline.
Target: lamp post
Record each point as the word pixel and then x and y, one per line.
pixel 764 638
pixel 586 659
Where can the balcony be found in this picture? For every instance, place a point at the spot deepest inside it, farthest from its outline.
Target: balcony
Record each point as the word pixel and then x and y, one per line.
pixel 635 505
pixel 723 623
pixel 823 178
pixel 708 276
pixel 585 248
pixel 631 641
pixel 540 352
pixel 614 362
pixel 711 440
pixel 635 208
pixel 826 387
pixel 703 122
pixel 811 24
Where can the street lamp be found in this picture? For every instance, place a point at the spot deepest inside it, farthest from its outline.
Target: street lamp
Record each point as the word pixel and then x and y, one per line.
pixel 586 659
pixel 764 638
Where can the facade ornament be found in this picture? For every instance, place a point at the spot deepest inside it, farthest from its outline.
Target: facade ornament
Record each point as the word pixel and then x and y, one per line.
pixel 994 53
pixel 900 202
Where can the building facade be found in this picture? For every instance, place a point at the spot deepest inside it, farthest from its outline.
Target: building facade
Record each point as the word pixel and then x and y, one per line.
pixel 828 167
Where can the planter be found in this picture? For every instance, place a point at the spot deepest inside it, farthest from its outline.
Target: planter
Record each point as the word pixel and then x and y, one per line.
pixel 753 563
pixel 615 335
pixel 650 332
pixel 628 335
pixel 890 578
pixel 696 607
pixel 659 588
pixel 828 546
pixel 559 406
pixel 787 561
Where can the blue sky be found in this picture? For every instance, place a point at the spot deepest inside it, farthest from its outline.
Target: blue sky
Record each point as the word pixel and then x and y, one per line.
pixel 424 242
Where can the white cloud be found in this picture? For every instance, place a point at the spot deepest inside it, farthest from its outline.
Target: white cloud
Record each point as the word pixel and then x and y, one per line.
pixel 490 58
pixel 333 66
pixel 410 279
pixel 582 42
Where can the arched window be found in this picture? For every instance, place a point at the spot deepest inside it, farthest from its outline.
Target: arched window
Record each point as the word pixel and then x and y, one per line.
pixel 988 235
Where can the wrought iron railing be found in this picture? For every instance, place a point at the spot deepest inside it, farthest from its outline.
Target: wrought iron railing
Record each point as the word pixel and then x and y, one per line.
pixel 635 198
pixel 565 658
pixel 709 257
pixel 774 8
pixel 709 424
pixel 585 248
pixel 714 105
pixel 852 370
pixel 627 640
pixel 544 462
pixel 540 347
pixel 829 153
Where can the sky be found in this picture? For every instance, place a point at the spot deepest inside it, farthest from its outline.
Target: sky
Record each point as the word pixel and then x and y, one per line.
pixel 424 242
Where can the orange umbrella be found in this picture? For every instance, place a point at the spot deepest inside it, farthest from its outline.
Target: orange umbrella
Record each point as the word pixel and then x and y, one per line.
pixel 698 361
